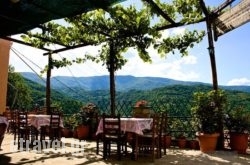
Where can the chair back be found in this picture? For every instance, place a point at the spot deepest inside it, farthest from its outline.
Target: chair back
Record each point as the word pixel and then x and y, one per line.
pixel 111 126
pixel 22 119
pixel 156 126
pixel 54 127
pixel 163 123
pixel 55 118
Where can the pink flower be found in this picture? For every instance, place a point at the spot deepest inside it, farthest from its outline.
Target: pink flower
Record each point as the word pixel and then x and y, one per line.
pixel 141 103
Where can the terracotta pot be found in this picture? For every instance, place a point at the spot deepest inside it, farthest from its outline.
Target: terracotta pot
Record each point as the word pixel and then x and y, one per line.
pixel 82 132
pixel 193 144
pixel 181 143
pixel 66 132
pixel 239 142
pixel 166 141
pixel 208 142
pixel 75 134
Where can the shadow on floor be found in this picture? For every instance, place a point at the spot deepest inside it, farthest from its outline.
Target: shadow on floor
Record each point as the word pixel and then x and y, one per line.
pixel 5 160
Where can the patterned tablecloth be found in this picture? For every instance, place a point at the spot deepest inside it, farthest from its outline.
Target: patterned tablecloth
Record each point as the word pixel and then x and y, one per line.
pixel 4 120
pixel 40 120
pixel 3 126
pixel 135 125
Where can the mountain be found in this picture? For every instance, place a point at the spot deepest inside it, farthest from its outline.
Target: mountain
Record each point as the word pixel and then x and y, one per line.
pixel 123 83
pixel 34 77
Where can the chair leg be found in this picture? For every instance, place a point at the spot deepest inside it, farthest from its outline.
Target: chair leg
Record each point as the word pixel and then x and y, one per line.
pixel 119 150
pixel 97 145
pixel 105 148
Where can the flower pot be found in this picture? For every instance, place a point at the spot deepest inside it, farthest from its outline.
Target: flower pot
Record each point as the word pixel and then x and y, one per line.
pixel 239 142
pixel 75 134
pixel 82 132
pixel 181 143
pixel 166 141
pixel 208 142
pixel 66 132
pixel 193 144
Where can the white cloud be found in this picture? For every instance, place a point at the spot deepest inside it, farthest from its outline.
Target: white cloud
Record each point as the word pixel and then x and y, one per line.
pixel 165 33
pixel 239 81
pixel 172 66
pixel 169 67
pixel 179 30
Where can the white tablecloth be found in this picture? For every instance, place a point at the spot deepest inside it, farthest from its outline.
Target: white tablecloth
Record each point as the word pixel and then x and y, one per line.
pixel 4 120
pixel 40 120
pixel 135 125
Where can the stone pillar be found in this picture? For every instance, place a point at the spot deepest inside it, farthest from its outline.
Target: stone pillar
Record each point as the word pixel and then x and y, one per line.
pixel 4 63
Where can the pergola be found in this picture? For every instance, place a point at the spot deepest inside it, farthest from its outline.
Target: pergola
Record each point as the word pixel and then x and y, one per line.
pixel 20 16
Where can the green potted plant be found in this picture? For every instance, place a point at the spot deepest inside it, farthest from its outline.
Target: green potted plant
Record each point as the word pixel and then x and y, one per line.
pixel 68 123
pixel 237 121
pixel 85 120
pixel 181 141
pixel 207 117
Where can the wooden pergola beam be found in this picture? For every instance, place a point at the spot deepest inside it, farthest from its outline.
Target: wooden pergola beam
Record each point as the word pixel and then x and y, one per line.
pixel 160 11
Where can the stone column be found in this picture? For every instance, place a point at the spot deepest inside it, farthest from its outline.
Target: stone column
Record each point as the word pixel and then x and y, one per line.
pixel 4 63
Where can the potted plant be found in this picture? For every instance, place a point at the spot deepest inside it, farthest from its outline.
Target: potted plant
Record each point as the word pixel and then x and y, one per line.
pixel 207 115
pixel 141 109
pixel 85 127
pixel 237 121
pixel 181 141
pixel 68 123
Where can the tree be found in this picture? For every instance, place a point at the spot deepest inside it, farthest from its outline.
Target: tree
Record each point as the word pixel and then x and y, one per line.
pixel 18 93
pixel 118 28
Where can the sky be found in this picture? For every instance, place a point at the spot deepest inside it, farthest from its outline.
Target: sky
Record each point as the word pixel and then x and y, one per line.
pixel 232 51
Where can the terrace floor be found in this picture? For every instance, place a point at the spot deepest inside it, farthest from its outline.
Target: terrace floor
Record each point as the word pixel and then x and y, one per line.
pixel 87 156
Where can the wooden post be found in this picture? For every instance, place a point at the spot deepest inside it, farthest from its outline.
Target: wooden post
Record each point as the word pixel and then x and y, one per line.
pixel 112 77
pixel 48 91
pixel 4 64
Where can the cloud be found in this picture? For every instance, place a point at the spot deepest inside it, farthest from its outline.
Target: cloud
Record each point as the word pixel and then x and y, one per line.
pixel 239 81
pixel 179 30
pixel 171 66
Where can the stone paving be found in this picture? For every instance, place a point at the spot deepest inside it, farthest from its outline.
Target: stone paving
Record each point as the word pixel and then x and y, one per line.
pixel 84 154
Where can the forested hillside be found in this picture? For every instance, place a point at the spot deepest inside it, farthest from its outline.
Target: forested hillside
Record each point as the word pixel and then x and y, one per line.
pixel 175 99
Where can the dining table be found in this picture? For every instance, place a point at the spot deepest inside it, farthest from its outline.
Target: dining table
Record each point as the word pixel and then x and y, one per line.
pixel 4 120
pixel 38 121
pixel 130 124
pixel 3 126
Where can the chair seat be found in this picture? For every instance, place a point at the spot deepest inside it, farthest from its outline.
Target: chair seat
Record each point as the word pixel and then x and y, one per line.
pixel 148 135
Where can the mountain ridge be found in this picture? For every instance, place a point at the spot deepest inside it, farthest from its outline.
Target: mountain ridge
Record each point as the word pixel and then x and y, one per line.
pixel 123 82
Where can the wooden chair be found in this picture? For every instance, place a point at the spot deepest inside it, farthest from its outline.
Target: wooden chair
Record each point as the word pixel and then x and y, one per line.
pixel 53 131
pixel 54 127
pixel 23 129
pixel 149 143
pixel 99 137
pixel 112 134
pixel 163 133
